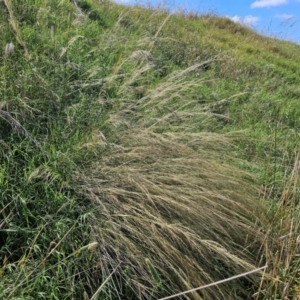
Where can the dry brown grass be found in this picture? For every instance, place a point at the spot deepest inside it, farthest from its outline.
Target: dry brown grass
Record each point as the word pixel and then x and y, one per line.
pixel 183 209
pixel 282 242
pixel 169 198
pixel 15 26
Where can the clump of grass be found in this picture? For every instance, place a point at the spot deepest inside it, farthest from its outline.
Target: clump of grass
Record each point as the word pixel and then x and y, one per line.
pixel 166 212
pixel 281 250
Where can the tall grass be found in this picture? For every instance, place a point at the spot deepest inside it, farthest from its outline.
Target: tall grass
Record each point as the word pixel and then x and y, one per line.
pixel 134 153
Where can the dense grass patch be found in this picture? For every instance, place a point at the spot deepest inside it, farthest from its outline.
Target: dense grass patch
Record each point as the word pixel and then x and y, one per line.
pixel 144 154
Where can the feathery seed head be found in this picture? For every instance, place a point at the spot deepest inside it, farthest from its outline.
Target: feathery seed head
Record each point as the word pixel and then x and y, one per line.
pixel 9 49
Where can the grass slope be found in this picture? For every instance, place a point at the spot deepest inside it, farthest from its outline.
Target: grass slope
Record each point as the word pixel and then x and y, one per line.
pixel 144 154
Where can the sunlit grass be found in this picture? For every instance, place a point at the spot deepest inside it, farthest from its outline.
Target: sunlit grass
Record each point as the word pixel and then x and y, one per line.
pixel 144 154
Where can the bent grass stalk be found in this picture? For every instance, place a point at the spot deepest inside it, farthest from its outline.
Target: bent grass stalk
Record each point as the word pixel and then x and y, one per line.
pixel 216 283
pixel 105 281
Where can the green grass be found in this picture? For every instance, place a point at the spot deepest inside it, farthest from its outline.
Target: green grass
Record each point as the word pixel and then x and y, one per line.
pixel 144 154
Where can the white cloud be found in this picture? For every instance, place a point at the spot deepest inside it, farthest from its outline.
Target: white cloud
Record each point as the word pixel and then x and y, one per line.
pixel 250 20
pixel 285 17
pixel 247 20
pixel 236 19
pixel 124 1
pixel 267 3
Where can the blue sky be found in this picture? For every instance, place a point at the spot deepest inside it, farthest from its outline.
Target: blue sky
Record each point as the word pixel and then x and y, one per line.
pixel 277 18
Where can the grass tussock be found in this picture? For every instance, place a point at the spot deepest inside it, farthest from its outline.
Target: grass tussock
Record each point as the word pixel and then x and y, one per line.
pixel 141 158
pixel 281 250
pixel 174 211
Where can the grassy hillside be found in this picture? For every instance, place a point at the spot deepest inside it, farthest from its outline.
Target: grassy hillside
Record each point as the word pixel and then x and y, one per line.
pixel 145 154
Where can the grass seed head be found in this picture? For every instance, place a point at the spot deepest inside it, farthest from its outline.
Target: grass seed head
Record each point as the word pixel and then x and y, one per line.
pixel 9 49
